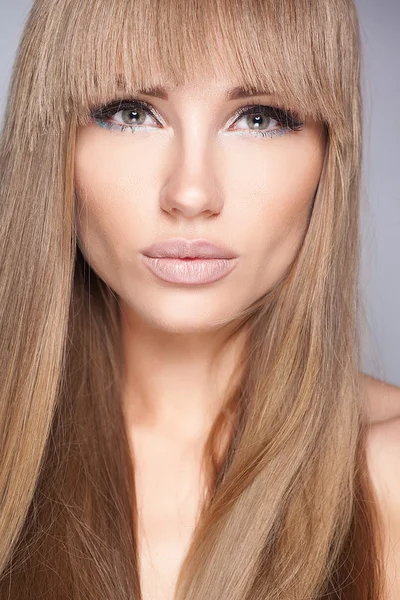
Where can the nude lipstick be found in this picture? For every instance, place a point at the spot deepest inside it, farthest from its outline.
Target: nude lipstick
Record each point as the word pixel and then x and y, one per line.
pixel 194 262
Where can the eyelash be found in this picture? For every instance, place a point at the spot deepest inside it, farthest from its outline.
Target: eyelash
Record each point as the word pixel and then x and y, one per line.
pixel 289 120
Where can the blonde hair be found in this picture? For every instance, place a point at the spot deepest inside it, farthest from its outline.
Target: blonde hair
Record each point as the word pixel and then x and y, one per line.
pixel 289 511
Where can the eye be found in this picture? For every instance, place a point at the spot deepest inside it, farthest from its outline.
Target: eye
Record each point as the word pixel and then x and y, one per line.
pixel 133 116
pixel 268 121
pixel 259 120
pixel 127 114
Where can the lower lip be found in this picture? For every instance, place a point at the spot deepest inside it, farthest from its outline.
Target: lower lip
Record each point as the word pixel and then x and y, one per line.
pixel 190 270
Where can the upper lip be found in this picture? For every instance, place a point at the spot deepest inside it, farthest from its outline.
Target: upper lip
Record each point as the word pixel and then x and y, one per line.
pixel 184 248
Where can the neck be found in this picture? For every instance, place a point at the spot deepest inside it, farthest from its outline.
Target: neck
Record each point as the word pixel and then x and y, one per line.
pixel 175 383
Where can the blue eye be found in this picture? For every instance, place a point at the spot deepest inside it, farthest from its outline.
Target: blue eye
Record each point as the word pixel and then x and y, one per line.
pixel 134 113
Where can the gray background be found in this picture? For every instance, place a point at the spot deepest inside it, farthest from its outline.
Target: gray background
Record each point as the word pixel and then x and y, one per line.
pixel 380 275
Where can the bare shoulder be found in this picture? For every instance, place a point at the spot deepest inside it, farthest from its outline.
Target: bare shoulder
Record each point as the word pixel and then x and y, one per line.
pixel 383 455
pixel 383 458
pixel 382 398
pixel 383 447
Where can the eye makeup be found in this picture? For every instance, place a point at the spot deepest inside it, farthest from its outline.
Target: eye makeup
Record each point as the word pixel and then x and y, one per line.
pixel 287 121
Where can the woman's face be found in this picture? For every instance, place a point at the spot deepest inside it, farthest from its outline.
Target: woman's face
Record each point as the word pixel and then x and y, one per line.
pixel 194 169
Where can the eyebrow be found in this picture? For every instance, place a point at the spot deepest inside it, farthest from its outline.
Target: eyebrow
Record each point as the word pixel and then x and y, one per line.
pixel 233 94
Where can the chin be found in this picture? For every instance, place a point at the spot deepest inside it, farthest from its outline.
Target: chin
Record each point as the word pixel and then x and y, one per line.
pixel 175 317
pixel 179 323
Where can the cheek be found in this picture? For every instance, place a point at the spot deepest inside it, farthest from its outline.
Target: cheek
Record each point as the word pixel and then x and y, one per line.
pixel 109 193
pixel 288 201
pixel 279 197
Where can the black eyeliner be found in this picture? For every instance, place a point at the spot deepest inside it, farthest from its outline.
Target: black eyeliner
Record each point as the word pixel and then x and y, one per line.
pixel 288 119
pixel 108 110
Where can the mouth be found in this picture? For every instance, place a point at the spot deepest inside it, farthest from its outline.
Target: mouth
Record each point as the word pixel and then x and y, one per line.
pixel 190 270
pixel 183 248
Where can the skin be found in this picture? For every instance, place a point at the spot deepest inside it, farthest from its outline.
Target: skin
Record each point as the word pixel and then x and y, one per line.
pixel 383 456
pixel 198 175
pixel 192 176
pixel 252 194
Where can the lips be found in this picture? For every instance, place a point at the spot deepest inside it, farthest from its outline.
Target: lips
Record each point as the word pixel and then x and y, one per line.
pixel 184 248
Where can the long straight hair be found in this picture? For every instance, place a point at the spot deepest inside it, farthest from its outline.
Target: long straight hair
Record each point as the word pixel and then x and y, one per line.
pixel 289 511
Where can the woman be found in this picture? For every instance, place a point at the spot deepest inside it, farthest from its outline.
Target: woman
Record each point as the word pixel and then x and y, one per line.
pixel 181 420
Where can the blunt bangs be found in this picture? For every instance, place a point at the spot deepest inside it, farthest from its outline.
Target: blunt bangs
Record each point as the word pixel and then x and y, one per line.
pixel 92 52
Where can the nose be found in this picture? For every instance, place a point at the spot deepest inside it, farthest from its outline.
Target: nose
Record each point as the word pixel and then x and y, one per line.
pixel 192 187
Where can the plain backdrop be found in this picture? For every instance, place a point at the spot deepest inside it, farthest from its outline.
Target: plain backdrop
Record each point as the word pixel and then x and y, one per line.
pixel 380 212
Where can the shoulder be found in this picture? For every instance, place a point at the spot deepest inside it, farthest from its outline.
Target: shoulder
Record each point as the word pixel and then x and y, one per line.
pixel 383 460
pixel 383 455
pixel 382 399
pixel 383 446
